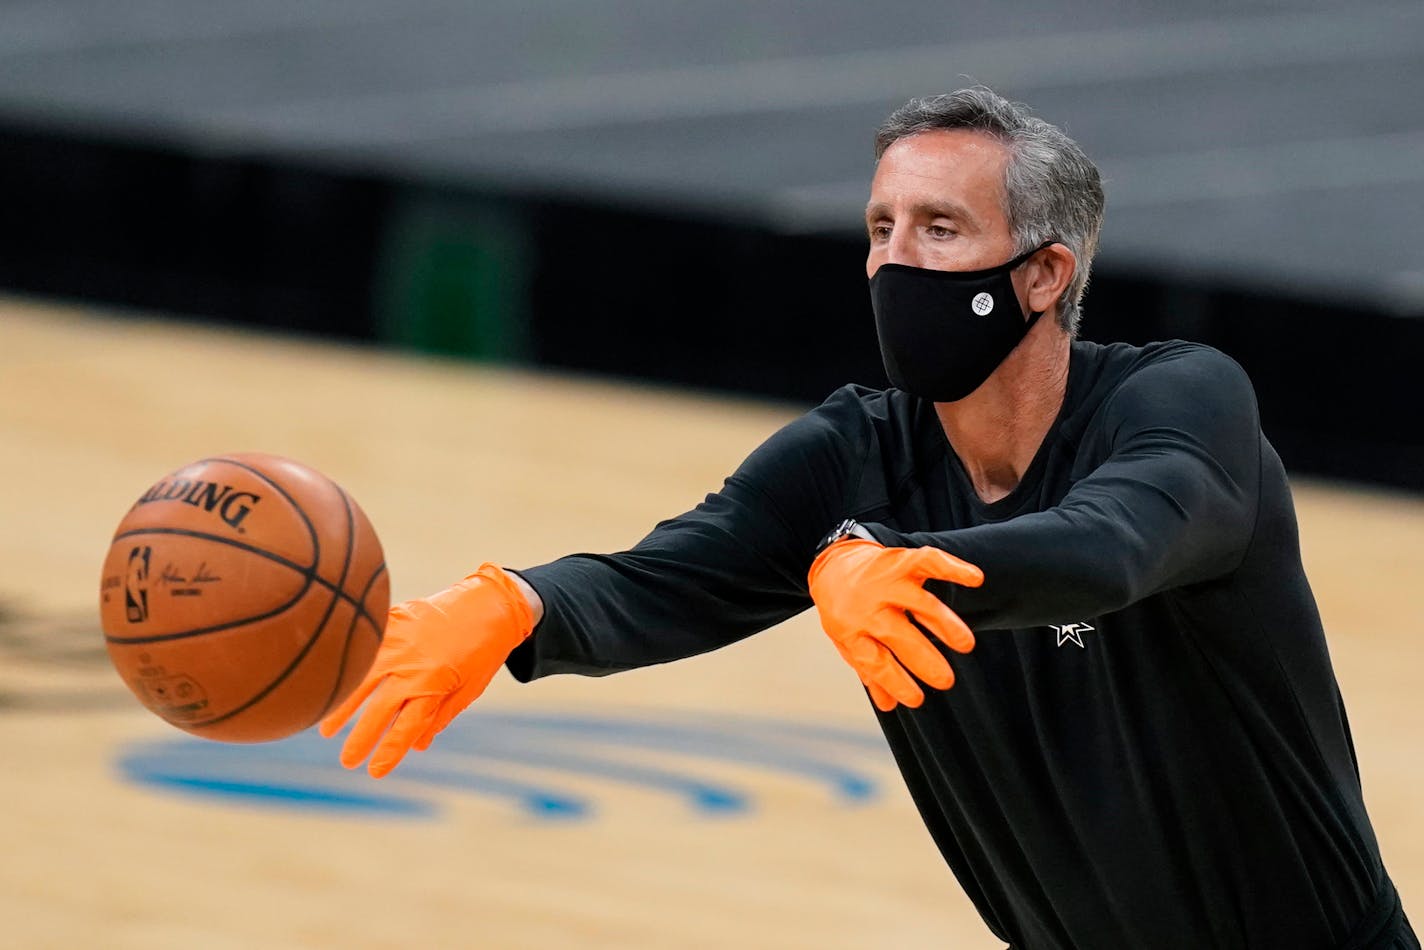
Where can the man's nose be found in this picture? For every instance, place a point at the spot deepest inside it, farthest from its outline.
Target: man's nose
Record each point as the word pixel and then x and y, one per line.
pixel 903 248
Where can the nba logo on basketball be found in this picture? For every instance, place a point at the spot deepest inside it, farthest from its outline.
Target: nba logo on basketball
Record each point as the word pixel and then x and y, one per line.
pixel 136 585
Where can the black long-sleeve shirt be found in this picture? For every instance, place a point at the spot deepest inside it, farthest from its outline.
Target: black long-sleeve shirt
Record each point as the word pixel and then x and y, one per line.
pixel 1147 747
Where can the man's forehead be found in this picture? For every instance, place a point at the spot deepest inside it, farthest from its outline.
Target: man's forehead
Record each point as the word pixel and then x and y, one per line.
pixel 948 143
pixel 944 155
pixel 958 170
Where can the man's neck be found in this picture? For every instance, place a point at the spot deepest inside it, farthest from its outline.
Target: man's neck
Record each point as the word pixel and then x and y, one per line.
pixel 997 429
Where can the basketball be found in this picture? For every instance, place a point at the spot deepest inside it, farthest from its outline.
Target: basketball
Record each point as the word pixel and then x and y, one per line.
pixel 243 596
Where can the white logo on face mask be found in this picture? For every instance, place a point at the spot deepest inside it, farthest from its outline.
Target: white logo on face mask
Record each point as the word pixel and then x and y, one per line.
pixel 982 304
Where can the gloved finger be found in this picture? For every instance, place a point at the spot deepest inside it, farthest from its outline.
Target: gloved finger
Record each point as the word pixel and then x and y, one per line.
pixel 936 616
pixel 432 729
pixel 883 701
pixel 378 715
pixel 447 713
pixel 410 724
pixel 332 722
pixel 866 653
pixel 913 650
pixel 941 565
pixel 436 724
pixel 456 703
pixel 877 665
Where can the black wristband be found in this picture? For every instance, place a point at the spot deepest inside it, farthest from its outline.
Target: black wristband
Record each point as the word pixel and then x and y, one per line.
pixel 849 528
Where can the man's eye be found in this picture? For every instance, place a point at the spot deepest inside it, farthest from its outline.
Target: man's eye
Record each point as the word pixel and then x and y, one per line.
pixel 879 232
pixel 939 231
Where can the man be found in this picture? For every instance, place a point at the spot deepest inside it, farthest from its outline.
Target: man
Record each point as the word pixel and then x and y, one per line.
pixel 1146 747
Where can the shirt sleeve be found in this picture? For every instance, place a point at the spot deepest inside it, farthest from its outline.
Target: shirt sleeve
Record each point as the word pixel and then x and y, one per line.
pixel 730 567
pixel 1173 503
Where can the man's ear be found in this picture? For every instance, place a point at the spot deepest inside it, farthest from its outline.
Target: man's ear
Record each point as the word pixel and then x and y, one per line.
pixel 1047 274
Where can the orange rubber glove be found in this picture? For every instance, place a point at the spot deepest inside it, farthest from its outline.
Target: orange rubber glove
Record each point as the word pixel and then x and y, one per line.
pixel 863 592
pixel 438 655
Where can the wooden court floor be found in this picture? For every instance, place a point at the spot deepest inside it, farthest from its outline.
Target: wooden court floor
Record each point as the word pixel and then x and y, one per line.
pixel 735 800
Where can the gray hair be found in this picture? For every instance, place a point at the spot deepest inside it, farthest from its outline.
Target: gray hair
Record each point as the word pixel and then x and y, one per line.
pixel 1052 192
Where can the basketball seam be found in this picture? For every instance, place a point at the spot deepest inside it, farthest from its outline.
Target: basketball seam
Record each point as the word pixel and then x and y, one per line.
pixel 309 574
pixel 357 618
pixel 350 632
pixel 311 528
pixel 337 597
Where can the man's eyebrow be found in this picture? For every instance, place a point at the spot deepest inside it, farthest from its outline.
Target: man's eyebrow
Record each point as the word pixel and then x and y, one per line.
pixel 877 210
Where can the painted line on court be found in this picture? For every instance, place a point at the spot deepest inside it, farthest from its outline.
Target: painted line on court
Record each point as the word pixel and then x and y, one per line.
pixel 526 760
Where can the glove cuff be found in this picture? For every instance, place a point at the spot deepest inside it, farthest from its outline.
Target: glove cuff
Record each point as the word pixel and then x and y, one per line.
pixel 488 599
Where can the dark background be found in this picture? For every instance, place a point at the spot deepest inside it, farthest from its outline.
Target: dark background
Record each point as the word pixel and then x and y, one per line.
pixel 674 195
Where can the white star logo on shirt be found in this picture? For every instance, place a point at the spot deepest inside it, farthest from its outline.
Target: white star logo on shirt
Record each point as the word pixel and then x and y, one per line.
pixel 1072 632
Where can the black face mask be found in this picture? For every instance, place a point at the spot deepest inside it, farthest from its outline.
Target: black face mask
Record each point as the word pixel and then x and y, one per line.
pixel 942 333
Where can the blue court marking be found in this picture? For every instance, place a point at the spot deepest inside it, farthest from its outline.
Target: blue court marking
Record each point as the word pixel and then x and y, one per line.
pixel 289 795
pixel 303 771
pixel 701 794
pixel 742 746
pixel 475 753
pixel 535 800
